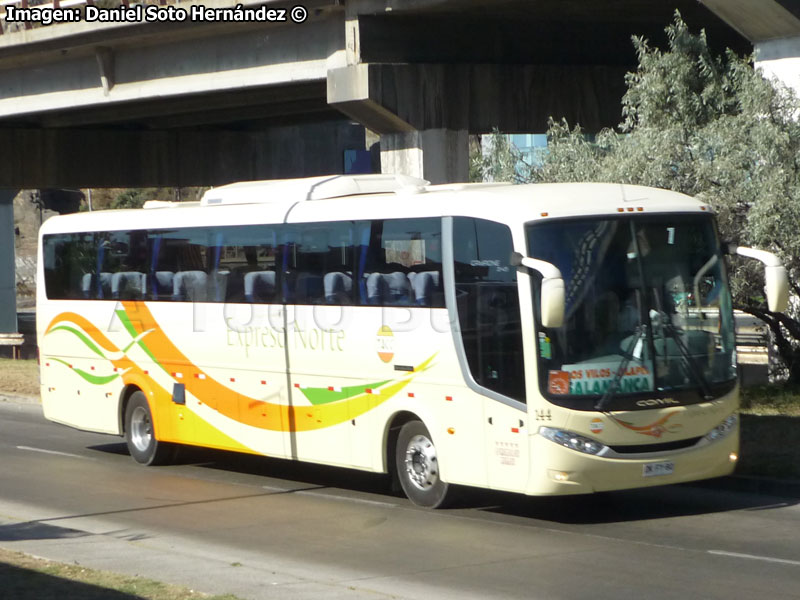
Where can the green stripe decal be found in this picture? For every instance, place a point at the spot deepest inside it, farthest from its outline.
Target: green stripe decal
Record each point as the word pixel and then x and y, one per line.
pixel 93 379
pixel 89 343
pixel 325 396
pixel 126 322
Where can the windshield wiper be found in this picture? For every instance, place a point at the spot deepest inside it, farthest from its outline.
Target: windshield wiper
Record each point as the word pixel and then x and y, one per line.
pixel 611 390
pixel 691 366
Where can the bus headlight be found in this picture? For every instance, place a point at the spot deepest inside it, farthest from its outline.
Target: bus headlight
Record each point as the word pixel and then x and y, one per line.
pixel 572 440
pixel 723 429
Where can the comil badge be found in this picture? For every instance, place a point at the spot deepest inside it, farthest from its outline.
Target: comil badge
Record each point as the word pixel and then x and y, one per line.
pixel 385 343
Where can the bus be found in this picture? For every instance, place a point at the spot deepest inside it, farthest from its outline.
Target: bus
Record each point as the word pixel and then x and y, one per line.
pixel 540 339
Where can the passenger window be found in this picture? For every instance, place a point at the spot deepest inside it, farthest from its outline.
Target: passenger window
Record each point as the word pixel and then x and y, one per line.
pixel 488 305
pixel 319 263
pixel 122 262
pixel 403 265
pixel 246 269
pixel 214 264
pixel 180 263
pixel 70 267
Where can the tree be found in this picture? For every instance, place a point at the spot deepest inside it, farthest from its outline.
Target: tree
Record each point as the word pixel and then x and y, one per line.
pixel 496 158
pixel 134 197
pixel 712 127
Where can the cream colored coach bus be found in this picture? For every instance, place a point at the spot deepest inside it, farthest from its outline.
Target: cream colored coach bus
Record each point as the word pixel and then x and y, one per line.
pixel 542 339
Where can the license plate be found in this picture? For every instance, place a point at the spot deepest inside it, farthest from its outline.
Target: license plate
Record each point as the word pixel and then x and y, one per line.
pixel 658 469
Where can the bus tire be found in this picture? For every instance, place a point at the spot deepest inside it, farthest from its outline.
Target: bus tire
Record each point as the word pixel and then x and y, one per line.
pixel 417 467
pixel 142 443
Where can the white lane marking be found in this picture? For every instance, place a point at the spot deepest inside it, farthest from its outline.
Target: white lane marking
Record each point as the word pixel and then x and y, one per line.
pixel 754 557
pixel 43 451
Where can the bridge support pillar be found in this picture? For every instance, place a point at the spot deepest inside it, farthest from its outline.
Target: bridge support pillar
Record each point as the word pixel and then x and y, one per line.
pixel 8 283
pixel 780 59
pixel 438 155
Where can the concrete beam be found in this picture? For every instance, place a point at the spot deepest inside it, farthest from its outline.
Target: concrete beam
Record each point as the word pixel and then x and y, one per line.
pixel 391 98
pixel 780 59
pixel 168 70
pixel 759 20
pixel 78 158
pixel 8 283
pixel 349 92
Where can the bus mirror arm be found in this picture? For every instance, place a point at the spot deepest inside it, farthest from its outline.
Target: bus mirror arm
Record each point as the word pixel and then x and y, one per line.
pixel 552 293
pixel 776 279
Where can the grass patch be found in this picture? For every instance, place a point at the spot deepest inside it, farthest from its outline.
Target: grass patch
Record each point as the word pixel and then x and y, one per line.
pixel 778 399
pixel 770 445
pixel 19 376
pixel 24 577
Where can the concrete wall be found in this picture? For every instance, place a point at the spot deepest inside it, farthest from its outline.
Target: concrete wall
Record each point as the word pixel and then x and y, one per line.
pixel 780 59
pixel 79 158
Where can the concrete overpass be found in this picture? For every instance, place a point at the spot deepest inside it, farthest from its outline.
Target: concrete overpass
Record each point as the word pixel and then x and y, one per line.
pixel 773 27
pixel 202 103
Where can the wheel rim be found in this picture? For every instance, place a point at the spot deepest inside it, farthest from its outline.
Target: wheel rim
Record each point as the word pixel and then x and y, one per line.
pixel 141 429
pixel 421 465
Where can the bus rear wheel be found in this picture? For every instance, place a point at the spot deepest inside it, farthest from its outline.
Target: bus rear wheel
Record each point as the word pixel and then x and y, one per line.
pixel 417 467
pixel 139 435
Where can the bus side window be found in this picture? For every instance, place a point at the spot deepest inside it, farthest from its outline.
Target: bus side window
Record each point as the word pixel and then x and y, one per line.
pixel 122 260
pixel 404 264
pixel 488 305
pixel 319 263
pixel 247 264
pixel 70 263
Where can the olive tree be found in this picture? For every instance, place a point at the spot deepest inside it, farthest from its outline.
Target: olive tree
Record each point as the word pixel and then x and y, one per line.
pixel 712 127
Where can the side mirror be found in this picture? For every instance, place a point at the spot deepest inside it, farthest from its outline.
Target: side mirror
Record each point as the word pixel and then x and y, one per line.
pixel 552 298
pixel 776 279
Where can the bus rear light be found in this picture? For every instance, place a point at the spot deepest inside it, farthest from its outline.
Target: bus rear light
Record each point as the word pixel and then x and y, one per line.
pixel 448 398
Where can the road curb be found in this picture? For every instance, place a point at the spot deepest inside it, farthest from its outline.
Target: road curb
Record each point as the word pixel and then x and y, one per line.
pixel 19 399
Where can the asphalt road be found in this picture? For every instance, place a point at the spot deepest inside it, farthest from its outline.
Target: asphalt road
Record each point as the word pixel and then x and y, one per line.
pixel 262 528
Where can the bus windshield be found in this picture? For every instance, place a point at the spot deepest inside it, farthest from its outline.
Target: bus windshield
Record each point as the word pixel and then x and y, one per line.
pixel 648 312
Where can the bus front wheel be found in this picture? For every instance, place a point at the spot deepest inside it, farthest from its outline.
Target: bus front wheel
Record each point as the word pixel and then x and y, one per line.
pixel 418 467
pixel 142 443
